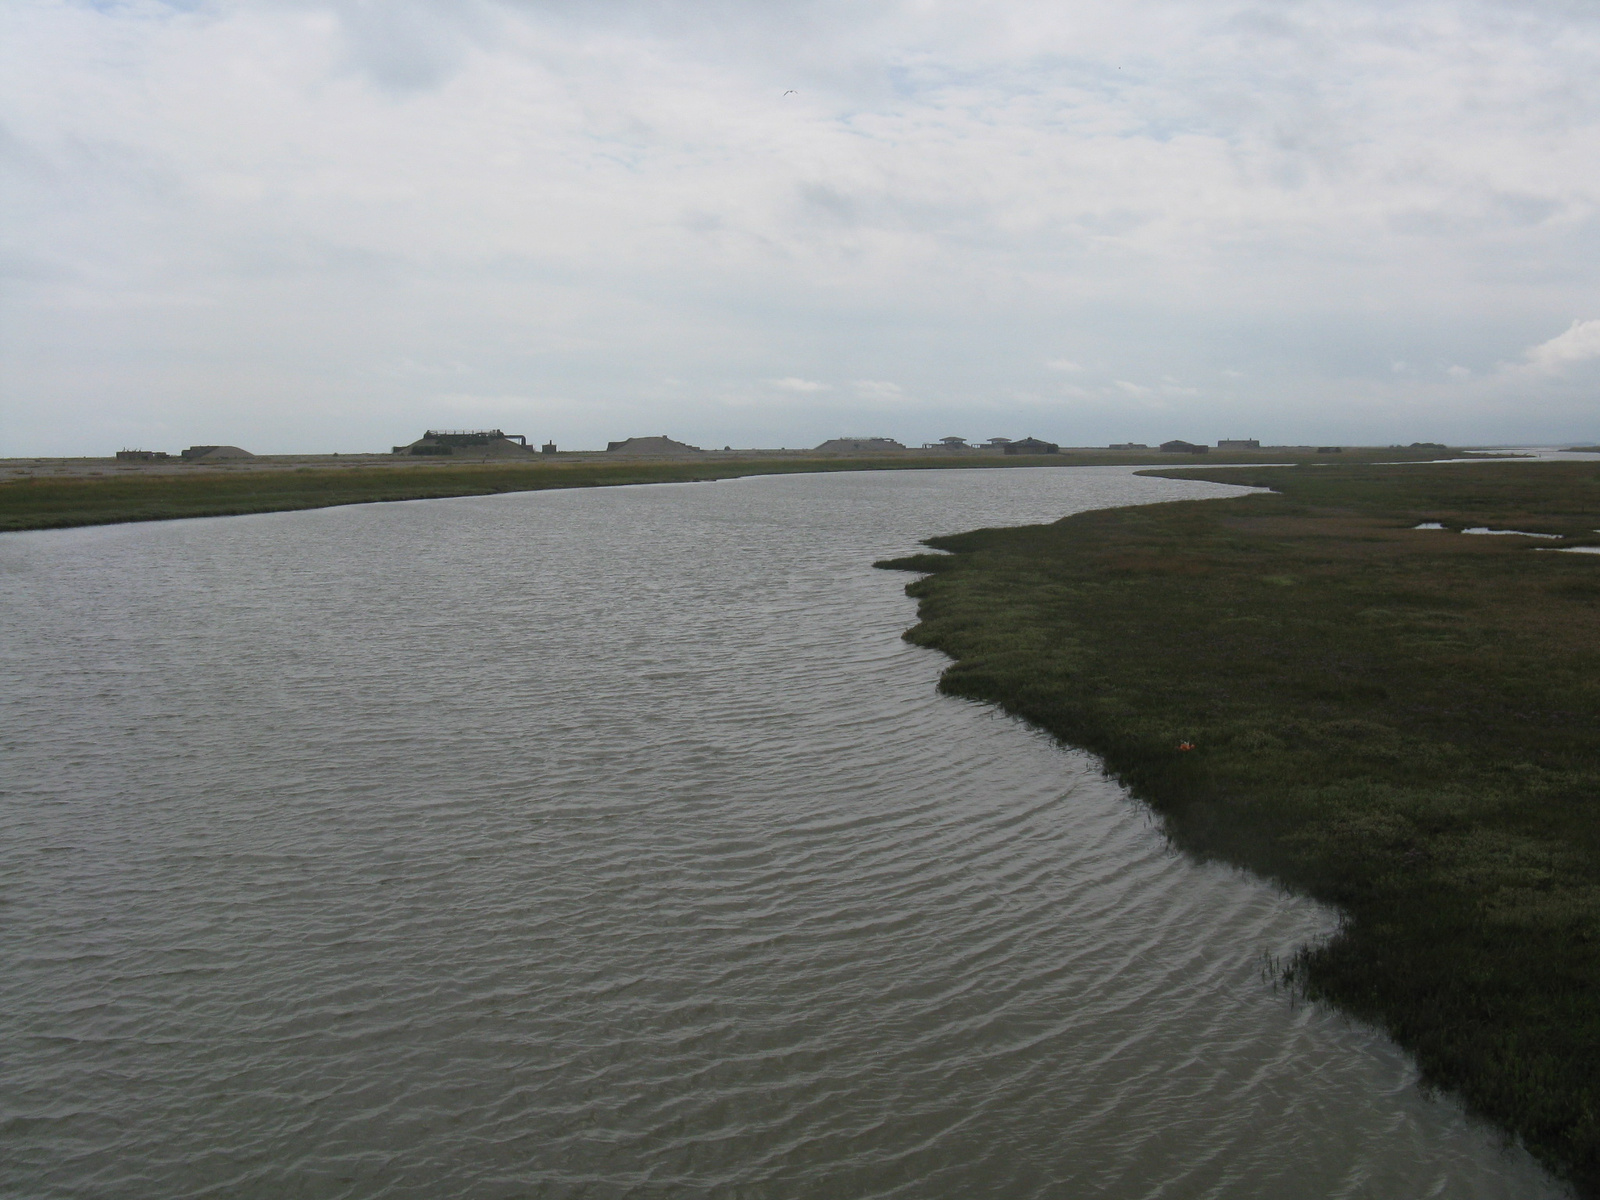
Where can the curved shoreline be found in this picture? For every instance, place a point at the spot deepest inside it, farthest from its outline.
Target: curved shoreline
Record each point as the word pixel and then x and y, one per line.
pixel 40 501
pixel 1391 721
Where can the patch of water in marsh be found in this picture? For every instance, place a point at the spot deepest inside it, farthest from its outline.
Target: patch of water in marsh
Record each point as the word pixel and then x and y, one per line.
pixel 611 843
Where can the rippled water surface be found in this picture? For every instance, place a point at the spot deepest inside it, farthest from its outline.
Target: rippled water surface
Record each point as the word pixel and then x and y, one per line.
pixel 612 843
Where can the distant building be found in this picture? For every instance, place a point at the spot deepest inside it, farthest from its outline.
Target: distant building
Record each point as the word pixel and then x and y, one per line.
pixel 1182 447
pixel 852 445
pixel 1330 449
pixel 1238 444
pixel 948 443
pixel 996 443
pixel 480 443
pixel 1031 445
pixel 1427 445
pixel 141 455
pixel 1127 446
pixel 652 445
pixel 214 453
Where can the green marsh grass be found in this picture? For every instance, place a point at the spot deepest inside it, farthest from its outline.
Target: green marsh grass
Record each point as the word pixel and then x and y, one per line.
pixel 59 501
pixel 1403 723
pixel 44 502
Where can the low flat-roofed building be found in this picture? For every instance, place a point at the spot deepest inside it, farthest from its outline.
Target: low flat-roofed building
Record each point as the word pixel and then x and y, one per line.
pixel 214 453
pixel 1238 444
pixel 858 445
pixel 469 443
pixel 1178 446
pixel 1031 445
pixel 651 445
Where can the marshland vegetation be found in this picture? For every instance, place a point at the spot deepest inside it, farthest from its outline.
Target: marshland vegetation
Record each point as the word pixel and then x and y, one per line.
pixel 40 497
pixel 1402 722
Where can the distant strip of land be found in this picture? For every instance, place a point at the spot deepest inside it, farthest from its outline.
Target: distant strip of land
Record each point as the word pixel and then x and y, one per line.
pixel 58 493
pixel 1402 722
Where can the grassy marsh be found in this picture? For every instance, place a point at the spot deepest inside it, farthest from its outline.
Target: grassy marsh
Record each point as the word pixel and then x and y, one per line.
pixel 43 502
pixel 1401 722
pixel 44 499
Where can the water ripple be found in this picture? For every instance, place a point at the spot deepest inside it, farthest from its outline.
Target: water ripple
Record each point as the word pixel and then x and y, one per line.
pixel 613 844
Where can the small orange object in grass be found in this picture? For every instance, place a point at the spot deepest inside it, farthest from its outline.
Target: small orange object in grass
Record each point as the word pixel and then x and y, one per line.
pixel 1185 745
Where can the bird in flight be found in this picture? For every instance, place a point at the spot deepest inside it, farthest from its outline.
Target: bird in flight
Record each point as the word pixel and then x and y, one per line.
pixel 791 92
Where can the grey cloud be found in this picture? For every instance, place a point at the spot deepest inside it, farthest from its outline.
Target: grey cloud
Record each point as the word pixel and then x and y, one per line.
pixel 1522 208
pixel 20 266
pixel 833 206
pixel 412 45
pixel 575 201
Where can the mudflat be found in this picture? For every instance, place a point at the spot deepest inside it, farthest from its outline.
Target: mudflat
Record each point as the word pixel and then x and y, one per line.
pixel 1399 721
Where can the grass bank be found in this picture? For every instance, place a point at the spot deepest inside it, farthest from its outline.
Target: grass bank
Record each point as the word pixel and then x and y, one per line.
pixel 47 503
pixel 43 501
pixel 1404 723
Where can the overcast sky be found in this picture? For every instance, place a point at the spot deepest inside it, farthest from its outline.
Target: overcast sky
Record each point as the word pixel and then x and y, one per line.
pixel 316 225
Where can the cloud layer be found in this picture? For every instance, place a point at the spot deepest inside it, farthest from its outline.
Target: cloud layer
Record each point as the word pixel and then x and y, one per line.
pixel 1580 344
pixel 324 225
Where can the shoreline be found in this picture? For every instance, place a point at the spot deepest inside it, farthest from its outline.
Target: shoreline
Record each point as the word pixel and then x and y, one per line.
pixel 1396 721
pixel 46 494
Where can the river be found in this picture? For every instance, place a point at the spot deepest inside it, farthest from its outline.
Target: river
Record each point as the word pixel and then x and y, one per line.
pixel 611 843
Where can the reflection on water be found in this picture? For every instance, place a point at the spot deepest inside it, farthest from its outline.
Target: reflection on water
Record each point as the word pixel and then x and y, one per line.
pixel 612 843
